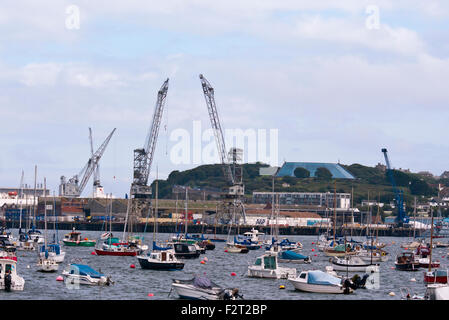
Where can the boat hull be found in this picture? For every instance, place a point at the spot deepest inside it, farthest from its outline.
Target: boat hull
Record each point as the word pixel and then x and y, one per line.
pixel 145 263
pixel 317 288
pixel 407 266
pixel 88 243
pixel 189 292
pixel 280 273
pixel 100 252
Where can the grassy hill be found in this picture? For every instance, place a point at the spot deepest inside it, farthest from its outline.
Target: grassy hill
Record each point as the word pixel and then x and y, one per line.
pixel 368 179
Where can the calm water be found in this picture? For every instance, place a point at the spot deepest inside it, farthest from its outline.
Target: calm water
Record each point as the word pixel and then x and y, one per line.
pixel 136 284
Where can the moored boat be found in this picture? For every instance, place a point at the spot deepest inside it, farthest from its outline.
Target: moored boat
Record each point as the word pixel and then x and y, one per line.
pixel 201 288
pixel 293 257
pixel 9 279
pixel 83 274
pixel 74 239
pixel 352 264
pixel 406 262
pixel 266 266
pixel 160 260
pixel 317 281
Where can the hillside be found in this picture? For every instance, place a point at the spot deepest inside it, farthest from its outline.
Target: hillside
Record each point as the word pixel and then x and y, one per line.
pixel 368 179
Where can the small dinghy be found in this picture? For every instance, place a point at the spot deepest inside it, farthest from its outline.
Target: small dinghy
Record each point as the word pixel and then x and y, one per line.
pixel 317 281
pixel 160 260
pixel 293 257
pixel 83 274
pixel 202 288
pixel 352 264
pixel 266 266
pixel 9 280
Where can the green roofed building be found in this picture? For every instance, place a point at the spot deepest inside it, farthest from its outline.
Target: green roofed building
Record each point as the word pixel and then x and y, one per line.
pixel 337 171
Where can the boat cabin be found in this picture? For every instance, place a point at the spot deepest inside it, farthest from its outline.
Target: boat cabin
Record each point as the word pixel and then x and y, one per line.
pixel 268 262
pixel 7 265
pixel 73 236
pixel 163 256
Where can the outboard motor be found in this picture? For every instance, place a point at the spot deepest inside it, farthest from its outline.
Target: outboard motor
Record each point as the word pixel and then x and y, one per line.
pixel 8 282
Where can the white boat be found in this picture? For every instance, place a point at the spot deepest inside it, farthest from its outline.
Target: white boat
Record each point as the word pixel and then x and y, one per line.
pixel 253 235
pixel 201 288
pixel 235 248
pixel 317 281
pixel 437 291
pixel 54 251
pixel 47 264
pixel 8 274
pixel 266 266
pixel 83 274
pixel 374 256
pixel 353 264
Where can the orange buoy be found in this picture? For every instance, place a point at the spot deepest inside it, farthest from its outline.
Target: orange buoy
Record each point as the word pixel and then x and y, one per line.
pixel 233 274
pixel 132 266
pixel 85 239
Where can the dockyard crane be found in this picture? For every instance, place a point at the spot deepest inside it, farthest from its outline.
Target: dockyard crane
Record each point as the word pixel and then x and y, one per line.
pixel 143 158
pixel 399 197
pixel 75 185
pixel 97 187
pixel 232 171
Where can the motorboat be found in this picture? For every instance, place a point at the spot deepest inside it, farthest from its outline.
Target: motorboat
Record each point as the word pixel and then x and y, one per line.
pixel 206 244
pixel 424 263
pixel 407 262
pixel 340 250
pixel 436 276
pixel 247 243
pixel 9 279
pixel 74 239
pixel 253 235
pixel 373 255
pixel 437 291
pixel 202 288
pixel 317 281
pixel 353 264
pixel 83 274
pixel 292 257
pixel 266 266
pixel 160 260
pixel 236 248
pixel 185 250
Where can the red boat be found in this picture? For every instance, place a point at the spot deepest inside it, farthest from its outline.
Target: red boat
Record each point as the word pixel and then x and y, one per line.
pixel 118 252
pixel 436 276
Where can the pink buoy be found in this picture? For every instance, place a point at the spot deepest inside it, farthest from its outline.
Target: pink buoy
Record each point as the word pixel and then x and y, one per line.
pixel 132 266
pixel 151 295
pixel 233 274
pixel 313 250
pixel 226 250
pixel 93 253
pixel 59 278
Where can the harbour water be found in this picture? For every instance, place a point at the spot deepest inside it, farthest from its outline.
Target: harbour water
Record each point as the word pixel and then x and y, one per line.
pixel 137 284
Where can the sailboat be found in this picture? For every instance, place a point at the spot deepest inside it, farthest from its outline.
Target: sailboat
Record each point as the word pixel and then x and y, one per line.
pixel 233 247
pixel 158 259
pixel 108 245
pixel 46 262
pixel 54 248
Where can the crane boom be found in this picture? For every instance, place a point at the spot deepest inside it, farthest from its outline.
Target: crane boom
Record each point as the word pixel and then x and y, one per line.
pixel 97 164
pixel 143 158
pixel 208 91
pixel 399 198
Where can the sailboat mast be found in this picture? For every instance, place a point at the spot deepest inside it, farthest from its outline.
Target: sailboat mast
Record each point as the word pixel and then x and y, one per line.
pixel 156 212
pixel 21 201
pixel 431 240
pixel 45 212
pixel 414 221
pixel 335 211
pixel 35 200
pixel 185 215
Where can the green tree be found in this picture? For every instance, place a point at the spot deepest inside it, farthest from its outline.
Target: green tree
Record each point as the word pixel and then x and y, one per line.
pixel 301 172
pixel 323 173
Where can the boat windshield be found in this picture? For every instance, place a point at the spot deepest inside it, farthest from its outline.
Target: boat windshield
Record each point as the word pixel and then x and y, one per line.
pixel 269 262
pixel 258 262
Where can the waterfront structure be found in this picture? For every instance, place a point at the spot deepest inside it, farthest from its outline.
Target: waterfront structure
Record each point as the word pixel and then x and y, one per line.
pixel 305 198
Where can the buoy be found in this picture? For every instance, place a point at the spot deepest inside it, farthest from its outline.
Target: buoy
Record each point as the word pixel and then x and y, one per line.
pixel 93 253
pixel 233 274
pixel 406 248
pixel 413 280
pixel 59 278
pixel 313 250
pixel 28 266
pixel 313 242
pixel 202 262
pixel 392 294
pixel 85 239
pixel 132 266
pixel 392 267
pixel 314 255
pixel 226 250
pixel 393 242
pixel 151 295
pixel 281 287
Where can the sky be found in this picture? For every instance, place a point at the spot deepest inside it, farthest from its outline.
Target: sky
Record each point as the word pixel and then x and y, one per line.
pixel 337 80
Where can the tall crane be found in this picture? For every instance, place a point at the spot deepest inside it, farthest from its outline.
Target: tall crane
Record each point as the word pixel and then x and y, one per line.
pixel 399 196
pixel 232 202
pixel 144 157
pixel 140 191
pixel 97 187
pixel 75 185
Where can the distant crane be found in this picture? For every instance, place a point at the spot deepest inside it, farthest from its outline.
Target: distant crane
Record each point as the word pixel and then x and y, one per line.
pixel 97 191
pixel 399 196
pixel 75 185
pixel 232 206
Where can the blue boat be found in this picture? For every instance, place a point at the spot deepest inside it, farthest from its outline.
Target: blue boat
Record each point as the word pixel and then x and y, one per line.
pixel 292 256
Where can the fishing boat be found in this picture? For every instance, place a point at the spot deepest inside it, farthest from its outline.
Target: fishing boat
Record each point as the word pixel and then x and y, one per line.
pixel 74 239
pixel 185 251
pixel 353 264
pixel 266 266
pixel 202 288
pixel 406 261
pixel 9 279
pixel 83 274
pixel 317 281
pixel 160 260
pixel 292 257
